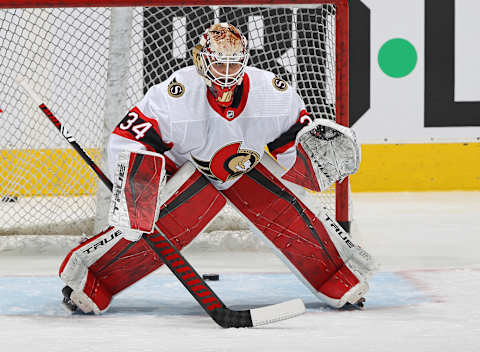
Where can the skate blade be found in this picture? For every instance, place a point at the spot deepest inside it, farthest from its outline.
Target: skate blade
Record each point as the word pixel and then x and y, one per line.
pixel 359 305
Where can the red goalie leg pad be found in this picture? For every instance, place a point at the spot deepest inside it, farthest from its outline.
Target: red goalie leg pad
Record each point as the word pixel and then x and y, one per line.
pixel 111 264
pixel 124 264
pixel 105 265
pixel 293 229
pixel 194 204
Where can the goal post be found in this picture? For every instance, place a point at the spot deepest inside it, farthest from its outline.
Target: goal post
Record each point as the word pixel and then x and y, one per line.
pixel 91 62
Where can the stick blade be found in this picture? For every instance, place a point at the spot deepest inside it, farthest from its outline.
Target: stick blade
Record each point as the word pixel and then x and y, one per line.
pixel 277 312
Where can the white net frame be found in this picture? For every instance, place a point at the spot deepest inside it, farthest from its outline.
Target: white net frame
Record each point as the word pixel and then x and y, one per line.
pixel 92 64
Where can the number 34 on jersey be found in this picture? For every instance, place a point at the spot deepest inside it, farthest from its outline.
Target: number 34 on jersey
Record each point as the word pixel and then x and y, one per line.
pixel 135 126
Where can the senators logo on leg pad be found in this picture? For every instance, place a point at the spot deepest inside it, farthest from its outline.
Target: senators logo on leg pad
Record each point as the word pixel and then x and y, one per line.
pixel 228 163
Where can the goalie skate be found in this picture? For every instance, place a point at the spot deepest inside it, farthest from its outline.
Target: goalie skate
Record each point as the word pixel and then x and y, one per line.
pixel 67 302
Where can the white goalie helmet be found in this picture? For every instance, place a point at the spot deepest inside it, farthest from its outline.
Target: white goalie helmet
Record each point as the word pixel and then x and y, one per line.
pixel 220 58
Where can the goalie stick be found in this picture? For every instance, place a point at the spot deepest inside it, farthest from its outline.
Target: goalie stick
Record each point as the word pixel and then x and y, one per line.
pixel 176 262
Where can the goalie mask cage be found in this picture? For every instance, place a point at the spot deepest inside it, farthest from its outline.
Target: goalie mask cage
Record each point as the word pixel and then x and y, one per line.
pixel 91 64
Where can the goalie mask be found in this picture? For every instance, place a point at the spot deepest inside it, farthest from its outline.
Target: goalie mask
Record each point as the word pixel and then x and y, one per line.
pixel 221 58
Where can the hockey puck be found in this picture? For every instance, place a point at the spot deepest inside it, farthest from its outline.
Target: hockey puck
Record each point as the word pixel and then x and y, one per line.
pixel 211 277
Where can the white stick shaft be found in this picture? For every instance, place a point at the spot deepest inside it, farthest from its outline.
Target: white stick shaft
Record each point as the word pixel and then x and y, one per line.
pixel 23 82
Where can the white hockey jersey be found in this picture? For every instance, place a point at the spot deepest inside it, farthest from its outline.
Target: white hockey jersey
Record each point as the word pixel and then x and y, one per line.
pixel 180 119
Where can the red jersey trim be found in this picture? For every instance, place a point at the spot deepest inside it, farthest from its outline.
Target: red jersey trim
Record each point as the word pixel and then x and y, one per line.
pixel 282 149
pixel 301 119
pixel 287 139
pixel 223 112
pixel 127 133
pixel 151 138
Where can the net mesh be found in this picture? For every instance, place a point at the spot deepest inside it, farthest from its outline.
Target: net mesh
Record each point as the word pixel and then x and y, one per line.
pixel 64 53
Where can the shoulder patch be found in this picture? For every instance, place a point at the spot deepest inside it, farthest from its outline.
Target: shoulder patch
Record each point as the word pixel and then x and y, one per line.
pixel 175 89
pixel 279 84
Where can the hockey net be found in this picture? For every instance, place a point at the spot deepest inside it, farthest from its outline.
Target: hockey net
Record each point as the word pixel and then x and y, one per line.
pixel 91 65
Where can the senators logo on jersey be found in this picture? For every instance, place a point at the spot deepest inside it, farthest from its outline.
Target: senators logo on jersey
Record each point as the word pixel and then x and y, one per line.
pixel 176 89
pixel 279 84
pixel 228 163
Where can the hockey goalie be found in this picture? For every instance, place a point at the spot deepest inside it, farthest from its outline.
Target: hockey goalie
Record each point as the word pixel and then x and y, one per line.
pixel 196 142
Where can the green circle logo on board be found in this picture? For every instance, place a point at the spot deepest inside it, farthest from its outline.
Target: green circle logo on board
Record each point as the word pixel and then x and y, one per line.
pixel 397 58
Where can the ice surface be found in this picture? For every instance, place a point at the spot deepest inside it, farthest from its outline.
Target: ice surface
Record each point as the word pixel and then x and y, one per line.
pixel 423 299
